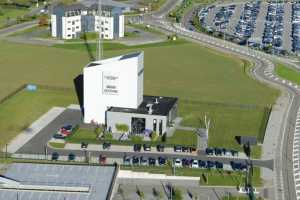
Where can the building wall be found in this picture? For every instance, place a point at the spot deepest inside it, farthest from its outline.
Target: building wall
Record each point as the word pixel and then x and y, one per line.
pixel 53 26
pixel 114 118
pixel 113 83
pixel 71 27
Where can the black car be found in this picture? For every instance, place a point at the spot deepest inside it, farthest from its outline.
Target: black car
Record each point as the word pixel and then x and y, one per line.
pixel 106 145
pixel 160 148
pixel 147 147
pixel 218 151
pixel 135 161
pixel 177 148
pixel 126 160
pixel 219 165
pixel 71 157
pixel 137 147
pixel 209 151
pixel 54 156
pixel 201 163
pixel 84 145
pixel 152 161
pixel 186 149
pixel 238 166
pixel 210 164
pixel 186 162
pixel 161 161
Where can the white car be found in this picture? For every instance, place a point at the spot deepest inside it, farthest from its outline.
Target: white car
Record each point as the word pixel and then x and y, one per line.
pixel 195 164
pixel 178 162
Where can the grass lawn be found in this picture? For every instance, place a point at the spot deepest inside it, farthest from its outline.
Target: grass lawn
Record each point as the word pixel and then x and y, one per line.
pixel 20 111
pixel 57 145
pixel 180 137
pixel 288 73
pixel 197 77
pixel 36 31
pixel 146 29
pixel 213 177
pixel 11 13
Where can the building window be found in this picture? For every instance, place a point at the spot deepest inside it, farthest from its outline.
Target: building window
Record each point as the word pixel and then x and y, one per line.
pixel 69 28
pixel 77 27
pixel 154 125
pixel 160 127
pixel 138 125
pixel 73 22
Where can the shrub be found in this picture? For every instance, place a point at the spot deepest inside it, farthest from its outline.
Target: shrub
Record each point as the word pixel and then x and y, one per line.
pixel 136 139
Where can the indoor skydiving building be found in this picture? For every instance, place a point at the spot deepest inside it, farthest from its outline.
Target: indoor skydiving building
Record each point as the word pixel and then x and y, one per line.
pixel 113 94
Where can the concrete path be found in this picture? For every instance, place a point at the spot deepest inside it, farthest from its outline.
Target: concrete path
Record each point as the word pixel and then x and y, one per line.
pixel 33 130
pixel 145 175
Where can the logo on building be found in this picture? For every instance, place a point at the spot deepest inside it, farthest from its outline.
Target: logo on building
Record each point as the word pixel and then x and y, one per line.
pixel 110 85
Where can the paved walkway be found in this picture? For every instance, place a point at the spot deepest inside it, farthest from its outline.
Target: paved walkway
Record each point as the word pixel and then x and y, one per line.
pixel 145 175
pixel 33 130
pixel 272 132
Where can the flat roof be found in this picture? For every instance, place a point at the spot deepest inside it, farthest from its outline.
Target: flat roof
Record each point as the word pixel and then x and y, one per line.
pixel 97 178
pixel 160 106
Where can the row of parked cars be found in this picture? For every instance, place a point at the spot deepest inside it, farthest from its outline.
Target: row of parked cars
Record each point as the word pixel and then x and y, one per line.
pixel 296 27
pixel 247 22
pixel 161 148
pixel 184 162
pixel 221 152
pixel 273 32
pixel 223 16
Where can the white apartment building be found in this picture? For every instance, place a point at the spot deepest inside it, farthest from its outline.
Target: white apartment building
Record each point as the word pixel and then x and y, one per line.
pixel 69 22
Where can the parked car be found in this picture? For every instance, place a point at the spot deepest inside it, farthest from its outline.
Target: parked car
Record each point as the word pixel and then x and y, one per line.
pixel 219 165
pixel 84 145
pixel 218 151
pixel 186 149
pixel 144 161
pixel 102 159
pixel 195 164
pixel 210 164
pixel 137 147
pixel 160 148
pixel 106 145
pixel 178 162
pixel 135 161
pixel 147 147
pixel 209 151
pixel 162 161
pixel 126 160
pixel 54 156
pixel 152 161
pixel 71 157
pixel 201 163
pixel 186 162
pixel 177 148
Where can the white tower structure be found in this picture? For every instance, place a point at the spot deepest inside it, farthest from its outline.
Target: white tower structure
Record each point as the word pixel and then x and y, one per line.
pixel 113 82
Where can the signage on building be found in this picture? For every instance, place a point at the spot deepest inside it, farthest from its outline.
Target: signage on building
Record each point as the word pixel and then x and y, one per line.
pixel 110 84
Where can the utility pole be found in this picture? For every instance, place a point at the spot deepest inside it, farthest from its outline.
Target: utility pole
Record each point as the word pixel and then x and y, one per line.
pixel 99 49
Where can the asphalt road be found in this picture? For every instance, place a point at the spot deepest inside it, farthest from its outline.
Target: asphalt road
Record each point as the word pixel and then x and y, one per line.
pixel 12 29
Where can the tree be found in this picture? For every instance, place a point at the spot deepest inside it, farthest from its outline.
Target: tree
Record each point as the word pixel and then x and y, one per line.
pixel 43 20
pixel 122 128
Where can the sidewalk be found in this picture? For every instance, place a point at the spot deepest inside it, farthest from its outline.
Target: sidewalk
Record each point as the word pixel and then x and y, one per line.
pixel 33 130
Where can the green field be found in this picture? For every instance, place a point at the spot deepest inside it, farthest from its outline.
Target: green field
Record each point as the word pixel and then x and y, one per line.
pixel 7 13
pixel 213 177
pixel 206 82
pixel 19 112
pixel 288 73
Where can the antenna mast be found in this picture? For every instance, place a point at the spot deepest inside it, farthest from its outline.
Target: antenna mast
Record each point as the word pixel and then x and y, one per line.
pixel 99 49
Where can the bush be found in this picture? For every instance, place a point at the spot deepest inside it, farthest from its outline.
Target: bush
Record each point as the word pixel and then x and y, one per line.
pixel 136 139
pixel 177 194
pixel 108 136
pixel 154 136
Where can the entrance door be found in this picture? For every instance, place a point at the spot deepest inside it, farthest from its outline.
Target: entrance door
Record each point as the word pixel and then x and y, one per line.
pixel 138 125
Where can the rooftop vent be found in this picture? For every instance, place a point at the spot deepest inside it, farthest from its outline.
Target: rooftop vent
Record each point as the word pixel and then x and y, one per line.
pixel 156 101
pixel 150 110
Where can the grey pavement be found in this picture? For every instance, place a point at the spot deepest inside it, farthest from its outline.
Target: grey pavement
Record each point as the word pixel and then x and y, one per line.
pixel 37 144
pixel 287 39
pixel 260 22
pixel 15 28
pixel 234 19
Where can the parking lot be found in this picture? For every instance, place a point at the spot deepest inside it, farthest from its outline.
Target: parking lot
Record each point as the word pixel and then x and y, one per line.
pixel 270 26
